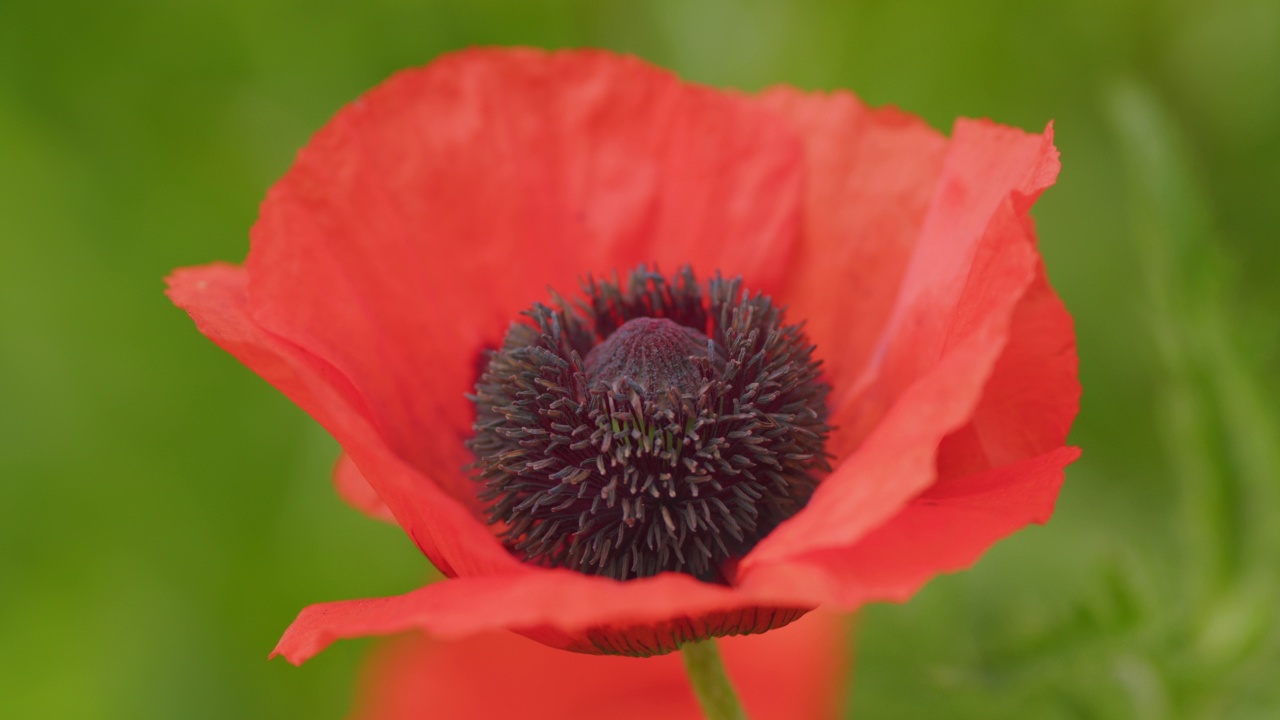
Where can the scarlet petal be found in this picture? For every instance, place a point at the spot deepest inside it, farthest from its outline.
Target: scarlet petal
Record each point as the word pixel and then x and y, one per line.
pixel 999 472
pixel 577 607
pixel 215 296
pixel 871 175
pixel 973 264
pixel 415 677
pixel 1033 394
pixel 425 216
pixel 944 530
pixel 356 492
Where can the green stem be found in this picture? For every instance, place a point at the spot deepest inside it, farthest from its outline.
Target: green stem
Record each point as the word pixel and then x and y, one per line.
pixel 715 693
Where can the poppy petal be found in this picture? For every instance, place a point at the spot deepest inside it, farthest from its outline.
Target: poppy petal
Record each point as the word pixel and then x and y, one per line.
pixel 945 529
pixel 215 297
pixel 1018 428
pixel 420 222
pixel 414 677
pixel 871 175
pixel 571 603
pixel 973 264
pixel 356 492
pixel 1033 394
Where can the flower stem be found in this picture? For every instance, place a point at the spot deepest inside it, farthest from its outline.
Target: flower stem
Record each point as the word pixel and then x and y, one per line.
pixel 715 693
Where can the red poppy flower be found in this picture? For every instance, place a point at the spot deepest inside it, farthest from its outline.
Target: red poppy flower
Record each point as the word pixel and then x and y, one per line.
pixel 415 677
pixel 415 227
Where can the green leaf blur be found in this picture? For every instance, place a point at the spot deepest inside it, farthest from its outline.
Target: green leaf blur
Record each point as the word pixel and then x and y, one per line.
pixel 164 513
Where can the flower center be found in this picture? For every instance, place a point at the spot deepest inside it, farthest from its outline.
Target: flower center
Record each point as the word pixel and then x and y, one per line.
pixel 649 429
pixel 651 356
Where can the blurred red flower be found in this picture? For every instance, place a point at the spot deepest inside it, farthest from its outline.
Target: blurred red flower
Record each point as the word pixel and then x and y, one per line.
pixel 414 677
pixel 425 216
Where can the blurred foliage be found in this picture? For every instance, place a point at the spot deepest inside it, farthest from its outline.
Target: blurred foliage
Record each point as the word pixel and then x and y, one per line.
pixel 164 513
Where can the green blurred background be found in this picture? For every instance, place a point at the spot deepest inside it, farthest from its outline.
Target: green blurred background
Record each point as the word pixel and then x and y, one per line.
pixel 164 513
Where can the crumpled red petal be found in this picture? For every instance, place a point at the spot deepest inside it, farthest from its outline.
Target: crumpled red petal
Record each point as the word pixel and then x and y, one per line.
pixel 871 174
pixel 415 677
pixel 355 490
pixel 1035 381
pixel 943 530
pixel 445 530
pixel 974 262
pixel 427 215
pixel 580 607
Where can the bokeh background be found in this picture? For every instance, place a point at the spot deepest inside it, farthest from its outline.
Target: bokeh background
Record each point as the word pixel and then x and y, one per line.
pixel 164 513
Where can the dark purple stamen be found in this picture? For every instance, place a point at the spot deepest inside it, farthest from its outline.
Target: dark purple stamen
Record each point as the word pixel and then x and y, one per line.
pixel 645 430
